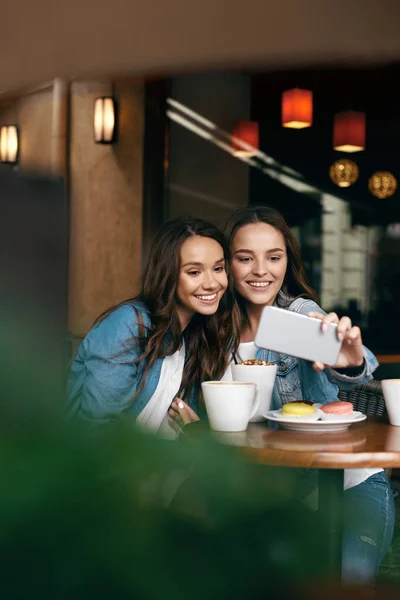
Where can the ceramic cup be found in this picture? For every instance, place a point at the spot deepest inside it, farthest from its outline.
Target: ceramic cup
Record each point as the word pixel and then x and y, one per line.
pixel 264 378
pixel 391 393
pixel 230 405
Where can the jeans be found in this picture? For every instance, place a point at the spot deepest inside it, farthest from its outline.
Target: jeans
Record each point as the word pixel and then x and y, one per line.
pixel 368 528
pixel 368 522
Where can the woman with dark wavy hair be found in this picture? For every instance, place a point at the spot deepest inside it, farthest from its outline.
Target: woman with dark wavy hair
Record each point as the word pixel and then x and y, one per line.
pixel 267 270
pixel 155 349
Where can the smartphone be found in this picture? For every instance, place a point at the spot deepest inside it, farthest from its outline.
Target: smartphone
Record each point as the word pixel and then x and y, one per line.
pixel 298 335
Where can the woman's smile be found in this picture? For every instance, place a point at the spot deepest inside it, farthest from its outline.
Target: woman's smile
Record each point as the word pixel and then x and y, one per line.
pixel 259 262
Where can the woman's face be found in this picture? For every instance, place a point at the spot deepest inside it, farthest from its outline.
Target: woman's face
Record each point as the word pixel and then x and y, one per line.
pixel 202 277
pixel 259 262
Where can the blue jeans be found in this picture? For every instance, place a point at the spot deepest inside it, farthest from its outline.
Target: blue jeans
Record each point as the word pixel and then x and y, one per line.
pixel 368 528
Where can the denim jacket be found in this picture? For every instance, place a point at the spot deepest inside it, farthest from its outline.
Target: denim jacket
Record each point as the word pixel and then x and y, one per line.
pixel 296 379
pixel 102 381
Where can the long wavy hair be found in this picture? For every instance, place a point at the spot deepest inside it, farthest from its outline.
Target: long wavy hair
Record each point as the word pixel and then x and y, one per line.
pixel 207 338
pixel 295 284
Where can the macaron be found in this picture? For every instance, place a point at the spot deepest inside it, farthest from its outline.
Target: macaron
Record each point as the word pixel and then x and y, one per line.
pixel 338 408
pixel 297 409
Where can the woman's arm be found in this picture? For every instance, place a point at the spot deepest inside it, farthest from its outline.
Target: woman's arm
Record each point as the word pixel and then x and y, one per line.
pixel 356 363
pixel 104 377
pixel 350 377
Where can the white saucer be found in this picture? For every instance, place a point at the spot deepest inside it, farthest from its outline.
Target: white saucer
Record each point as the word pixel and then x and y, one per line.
pixel 336 418
pixel 311 425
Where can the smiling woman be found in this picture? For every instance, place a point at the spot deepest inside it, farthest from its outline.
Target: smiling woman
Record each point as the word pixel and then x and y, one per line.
pixel 202 279
pixel 260 271
pixel 268 270
pixel 142 354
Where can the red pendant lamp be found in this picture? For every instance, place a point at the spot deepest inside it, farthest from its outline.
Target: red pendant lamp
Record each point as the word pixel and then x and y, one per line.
pixel 349 131
pixel 246 132
pixel 297 108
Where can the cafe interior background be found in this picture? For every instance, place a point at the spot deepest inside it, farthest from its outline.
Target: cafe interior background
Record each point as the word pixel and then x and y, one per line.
pixel 118 117
pixel 174 150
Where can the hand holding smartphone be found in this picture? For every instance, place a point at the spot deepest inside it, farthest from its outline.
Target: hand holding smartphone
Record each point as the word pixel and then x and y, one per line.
pixel 298 335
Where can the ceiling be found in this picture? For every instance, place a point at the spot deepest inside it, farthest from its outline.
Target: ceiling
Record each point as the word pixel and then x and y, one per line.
pixel 372 90
pixel 45 39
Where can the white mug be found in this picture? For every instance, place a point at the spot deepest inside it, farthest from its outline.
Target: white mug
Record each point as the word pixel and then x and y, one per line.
pixel 264 378
pixel 229 404
pixel 391 393
pixel 392 443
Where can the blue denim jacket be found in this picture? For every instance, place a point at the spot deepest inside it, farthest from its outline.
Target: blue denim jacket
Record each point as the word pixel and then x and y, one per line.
pixel 102 381
pixel 296 379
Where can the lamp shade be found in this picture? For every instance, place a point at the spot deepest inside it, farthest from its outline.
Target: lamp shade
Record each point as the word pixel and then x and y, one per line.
pixel 104 120
pixel 349 131
pixel 245 138
pixel 9 144
pixel 297 108
pixel 382 184
pixel 344 172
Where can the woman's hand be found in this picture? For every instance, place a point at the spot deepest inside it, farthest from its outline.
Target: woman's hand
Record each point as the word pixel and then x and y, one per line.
pixel 352 352
pixel 180 414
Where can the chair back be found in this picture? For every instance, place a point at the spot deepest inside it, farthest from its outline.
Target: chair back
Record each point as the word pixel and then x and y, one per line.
pixel 367 398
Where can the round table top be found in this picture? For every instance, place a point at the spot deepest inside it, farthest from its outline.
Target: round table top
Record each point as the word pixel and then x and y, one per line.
pixel 371 443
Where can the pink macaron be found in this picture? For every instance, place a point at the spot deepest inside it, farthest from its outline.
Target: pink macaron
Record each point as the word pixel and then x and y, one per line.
pixel 338 408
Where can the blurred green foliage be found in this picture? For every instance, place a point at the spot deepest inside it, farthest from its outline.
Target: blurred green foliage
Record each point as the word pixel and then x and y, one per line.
pixel 85 512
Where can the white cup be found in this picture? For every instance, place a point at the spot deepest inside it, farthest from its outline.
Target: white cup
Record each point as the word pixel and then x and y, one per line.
pixel 392 443
pixel 391 393
pixel 264 378
pixel 229 404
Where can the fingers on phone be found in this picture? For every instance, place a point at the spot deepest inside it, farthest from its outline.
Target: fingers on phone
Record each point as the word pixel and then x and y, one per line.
pixel 330 318
pixel 355 334
pixel 316 315
pixel 344 328
pixel 325 319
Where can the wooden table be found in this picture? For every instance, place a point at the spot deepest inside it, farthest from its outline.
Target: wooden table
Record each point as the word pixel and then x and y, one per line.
pixel 372 443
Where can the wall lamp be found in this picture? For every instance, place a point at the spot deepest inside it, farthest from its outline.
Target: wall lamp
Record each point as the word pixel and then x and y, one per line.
pixel 105 119
pixel 9 144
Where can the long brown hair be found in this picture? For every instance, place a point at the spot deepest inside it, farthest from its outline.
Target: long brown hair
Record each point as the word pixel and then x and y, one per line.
pixel 207 338
pixel 295 283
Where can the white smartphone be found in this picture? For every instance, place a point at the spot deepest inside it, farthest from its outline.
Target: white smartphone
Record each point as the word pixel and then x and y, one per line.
pixel 298 335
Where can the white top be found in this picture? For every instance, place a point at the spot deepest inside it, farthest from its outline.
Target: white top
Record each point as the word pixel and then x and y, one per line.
pixel 154 416
pixel 352 477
